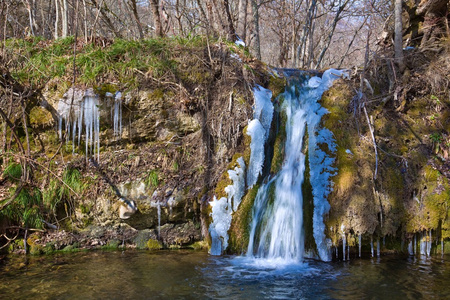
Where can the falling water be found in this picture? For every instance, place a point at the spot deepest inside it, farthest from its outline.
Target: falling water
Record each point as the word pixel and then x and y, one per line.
pixel 277 216
pixel 410 248
pixel 359 244
pixel 371 246
pixel 378 247
pixel 344 241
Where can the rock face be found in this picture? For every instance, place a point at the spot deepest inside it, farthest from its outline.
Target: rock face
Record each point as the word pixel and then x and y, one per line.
pixel 155 177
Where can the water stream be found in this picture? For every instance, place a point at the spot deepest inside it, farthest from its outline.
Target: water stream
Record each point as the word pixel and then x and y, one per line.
pixel 197 275
pixel 277 231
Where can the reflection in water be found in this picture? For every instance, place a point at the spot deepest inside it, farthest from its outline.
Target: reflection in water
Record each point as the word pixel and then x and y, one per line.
pixel 187 275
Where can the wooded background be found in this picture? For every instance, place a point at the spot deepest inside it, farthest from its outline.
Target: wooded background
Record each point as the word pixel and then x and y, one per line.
pixel 283 33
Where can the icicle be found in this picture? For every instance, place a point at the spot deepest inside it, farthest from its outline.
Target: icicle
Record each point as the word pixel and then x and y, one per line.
pixel 429 243
pixel 359 244
pixel 442 246
pixel 378 247
pixel 423 245
pixel 410 248
pixel 415 244
pixel 344 240
pixel 117 118
pixel 159 219
pixel 348 251
pixel 371 246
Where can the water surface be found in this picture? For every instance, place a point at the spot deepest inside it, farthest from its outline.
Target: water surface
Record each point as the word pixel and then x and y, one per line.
pixel 196 275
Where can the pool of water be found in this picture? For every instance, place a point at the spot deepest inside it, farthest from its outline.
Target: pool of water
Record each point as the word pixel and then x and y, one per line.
pixel 196 275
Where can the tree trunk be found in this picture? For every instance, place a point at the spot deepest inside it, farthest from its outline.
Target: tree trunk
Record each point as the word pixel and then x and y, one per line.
pixel 64 16
pixel 56 19
pixel 27 4
pixel 330 36
pixel 306 29
pixel 156 17
pixel 242 20
pixel 85 21
pixel 398 38
pixel 255 16
pixel 136 18
pixel 231 32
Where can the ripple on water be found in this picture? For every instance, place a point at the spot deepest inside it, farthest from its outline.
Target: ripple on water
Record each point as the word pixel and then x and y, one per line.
pixel 195 275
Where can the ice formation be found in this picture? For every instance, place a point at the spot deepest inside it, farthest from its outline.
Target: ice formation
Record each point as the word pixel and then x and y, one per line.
pixel 258 129
pixel 277 217
pixel 79 114
pixel 223 208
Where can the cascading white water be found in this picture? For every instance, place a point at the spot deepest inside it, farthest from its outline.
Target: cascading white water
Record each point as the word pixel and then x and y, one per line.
pixel 277 217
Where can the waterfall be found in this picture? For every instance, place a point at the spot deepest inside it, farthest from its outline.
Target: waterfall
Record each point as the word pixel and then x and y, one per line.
pixel 276 231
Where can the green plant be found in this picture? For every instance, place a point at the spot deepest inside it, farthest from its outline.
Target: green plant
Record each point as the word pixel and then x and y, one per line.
pixel 26 207
pixel 436 137
pixel 59 192
pixel 13 172
pixel 152 178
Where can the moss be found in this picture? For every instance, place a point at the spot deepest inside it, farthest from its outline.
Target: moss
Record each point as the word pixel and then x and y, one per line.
pixel 240 225
pixel 200 245
pixel 277 85
pixel 347 173
pixel 308 209
pixel 279 144
pixel 432 201
pixel 157 94
pixel 154 244
pixel 247 142
pixel 85 209
pixel 111 245
pixel 49 248
pixel 36 249
pixel 71 248
pixel 224 181
pixel 40 117
pixel 101 90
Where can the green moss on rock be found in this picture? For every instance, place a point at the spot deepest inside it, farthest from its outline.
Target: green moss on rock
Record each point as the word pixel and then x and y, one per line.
pixel 154 244
pixel 240 225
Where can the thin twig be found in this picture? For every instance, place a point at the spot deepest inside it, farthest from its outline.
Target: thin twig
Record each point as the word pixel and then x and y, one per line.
pixel 374 142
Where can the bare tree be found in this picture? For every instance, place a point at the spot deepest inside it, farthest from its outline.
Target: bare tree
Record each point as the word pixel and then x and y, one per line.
pixel 398 37
pixel 154 4
pixel 242 20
